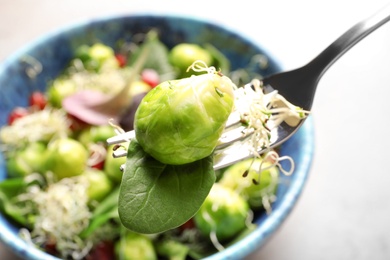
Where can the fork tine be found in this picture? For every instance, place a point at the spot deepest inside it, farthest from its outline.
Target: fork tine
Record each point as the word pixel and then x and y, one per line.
pixel 228 138
pixel 233 135
pixel 119 153
pixel 127 136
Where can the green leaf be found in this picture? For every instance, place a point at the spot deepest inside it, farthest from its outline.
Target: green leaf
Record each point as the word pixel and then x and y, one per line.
pixel 9 189
pixel 109 204
pixel 104 212
pixel 98 222
pixel 155 197
pixel 157 57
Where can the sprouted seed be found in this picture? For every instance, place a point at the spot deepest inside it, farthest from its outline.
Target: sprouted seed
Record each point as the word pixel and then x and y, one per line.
pixel 215 241
pixel 62 213
pixel 262 113
pixel 39 126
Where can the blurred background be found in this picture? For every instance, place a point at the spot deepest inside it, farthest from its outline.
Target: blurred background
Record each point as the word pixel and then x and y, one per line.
pixel 344 211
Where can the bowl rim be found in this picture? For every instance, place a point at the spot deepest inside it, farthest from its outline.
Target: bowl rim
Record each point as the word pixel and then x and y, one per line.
pixel 12 57
pixel 249 243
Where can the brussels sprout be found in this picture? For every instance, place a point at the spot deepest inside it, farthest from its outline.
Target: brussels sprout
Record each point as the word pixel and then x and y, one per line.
pixel 251 187
pixel 82 53
pixel 101 56
pixel 135 246
pixel 59 90
pixel 138 87
pixel 172 249
pixel 95 134
pixel 224 212
pixel 184 54
pixel 66 157
pixel 29 160
pixel 101 52
pixel 99 184
pixel 112 166
pixel 180 121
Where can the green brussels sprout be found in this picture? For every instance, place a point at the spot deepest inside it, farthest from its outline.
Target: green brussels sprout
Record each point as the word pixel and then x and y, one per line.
pixel 184 54
pixel 99 184
pixel 82 53
pixel 180 121
pixel 251 187
pixel 59 90
pixel 95 134
pixel 101 52
pixel 135 246
pixel 96 57
pixel 29 160
pixel 172 249
pixel 224 212
pixel 112 166
pixel 66 157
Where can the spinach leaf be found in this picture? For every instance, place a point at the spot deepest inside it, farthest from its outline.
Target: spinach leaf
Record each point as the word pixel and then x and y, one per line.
pixel 155 197
pixel 9 189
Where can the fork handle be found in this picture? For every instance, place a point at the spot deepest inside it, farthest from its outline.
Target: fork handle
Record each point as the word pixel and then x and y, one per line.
pixel 333 52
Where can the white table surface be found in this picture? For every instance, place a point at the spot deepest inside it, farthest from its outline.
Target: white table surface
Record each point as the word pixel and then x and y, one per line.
pixel 344 211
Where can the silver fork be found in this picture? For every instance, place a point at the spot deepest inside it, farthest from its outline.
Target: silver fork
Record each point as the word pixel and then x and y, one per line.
pixel 231 146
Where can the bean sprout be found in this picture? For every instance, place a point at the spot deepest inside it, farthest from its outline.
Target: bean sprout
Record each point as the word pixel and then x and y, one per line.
pixel 201 66
pixel 262 113
pixel 63 214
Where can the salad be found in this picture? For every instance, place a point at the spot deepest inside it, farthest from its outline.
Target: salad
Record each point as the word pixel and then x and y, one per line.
pixel 67 193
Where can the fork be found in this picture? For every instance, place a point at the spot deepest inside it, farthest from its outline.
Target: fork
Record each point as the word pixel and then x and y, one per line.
pixel 297 86
pixel 227 143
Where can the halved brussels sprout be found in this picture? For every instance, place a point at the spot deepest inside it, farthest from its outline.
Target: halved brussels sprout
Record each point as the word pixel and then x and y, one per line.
pixel 180 121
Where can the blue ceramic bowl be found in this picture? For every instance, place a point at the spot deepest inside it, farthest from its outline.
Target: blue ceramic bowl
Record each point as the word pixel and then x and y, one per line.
pixel 56 49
